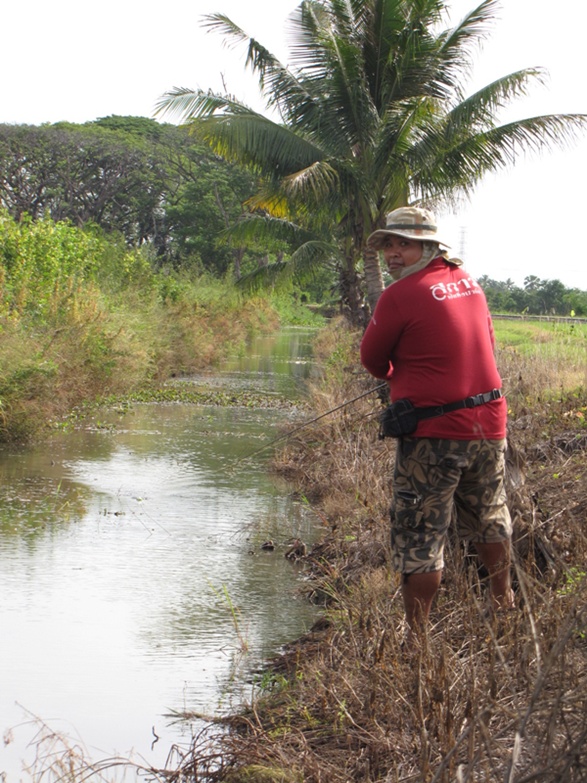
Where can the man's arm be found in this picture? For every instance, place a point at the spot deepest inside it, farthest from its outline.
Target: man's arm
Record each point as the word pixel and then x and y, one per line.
pixel 378 341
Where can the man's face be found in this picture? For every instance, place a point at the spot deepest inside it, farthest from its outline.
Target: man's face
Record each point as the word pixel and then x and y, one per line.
pixel 399 252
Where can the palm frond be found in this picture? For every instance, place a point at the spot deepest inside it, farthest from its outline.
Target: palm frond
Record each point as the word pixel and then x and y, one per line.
pixel 281 87
pixel 220 23
pixel 188 104
pixel 303 196
pixel 495 149
pixel 306 27
pixel 534 134
pixel 307 258
pixel 402 51
pixel 257 141
pixel 482 107
pixel 317 180
pixel 270 200
pixel 349 90
pixel 260 60
pixel 301 265
pixel 274 275
pixel 265 230
pixel 400 129
pixel 327 51
pixel 458 44
pixel 472 29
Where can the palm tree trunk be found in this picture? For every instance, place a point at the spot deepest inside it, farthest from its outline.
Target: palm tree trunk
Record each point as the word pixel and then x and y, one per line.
pixel 350 293
pixel 373 277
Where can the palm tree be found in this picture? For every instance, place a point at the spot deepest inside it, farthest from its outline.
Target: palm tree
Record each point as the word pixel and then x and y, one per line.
pixel 371 115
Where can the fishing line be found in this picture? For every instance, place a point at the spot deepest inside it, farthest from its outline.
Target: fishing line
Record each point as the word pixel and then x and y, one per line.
pixel 306 423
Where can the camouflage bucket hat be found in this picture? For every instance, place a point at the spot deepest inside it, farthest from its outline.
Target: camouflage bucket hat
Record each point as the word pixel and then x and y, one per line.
pixel 409 222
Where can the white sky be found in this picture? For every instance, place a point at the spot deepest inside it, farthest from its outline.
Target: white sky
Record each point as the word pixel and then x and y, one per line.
pixel 75 61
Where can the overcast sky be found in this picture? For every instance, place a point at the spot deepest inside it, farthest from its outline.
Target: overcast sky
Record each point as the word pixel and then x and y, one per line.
pixel 66 60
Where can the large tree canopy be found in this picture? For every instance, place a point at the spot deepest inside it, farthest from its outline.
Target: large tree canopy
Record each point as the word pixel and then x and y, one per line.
pixel 146 180
pixel 90 173
pixel 371 114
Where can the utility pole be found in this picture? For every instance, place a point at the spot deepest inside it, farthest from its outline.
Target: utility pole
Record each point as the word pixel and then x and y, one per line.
pixel 463 243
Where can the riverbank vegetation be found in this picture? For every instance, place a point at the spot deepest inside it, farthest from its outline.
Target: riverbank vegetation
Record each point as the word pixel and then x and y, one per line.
pixel 487 698
pixel 155 188
pixel 83 317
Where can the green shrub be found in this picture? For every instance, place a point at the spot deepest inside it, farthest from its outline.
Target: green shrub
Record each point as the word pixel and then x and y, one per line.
pixel 82 317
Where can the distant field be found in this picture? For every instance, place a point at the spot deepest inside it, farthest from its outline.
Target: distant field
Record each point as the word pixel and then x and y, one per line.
pixel 548 355
pixel 530 335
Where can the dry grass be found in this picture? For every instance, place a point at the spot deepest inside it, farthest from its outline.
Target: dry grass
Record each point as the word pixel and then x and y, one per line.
pixel 487 699
pixel 93 348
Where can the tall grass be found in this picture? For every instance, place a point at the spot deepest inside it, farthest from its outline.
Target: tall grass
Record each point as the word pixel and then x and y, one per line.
pixel 541 358
pixel 82 317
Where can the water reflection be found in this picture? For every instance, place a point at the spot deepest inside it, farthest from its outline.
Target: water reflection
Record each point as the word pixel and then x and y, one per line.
pixel 281 365
pixel 131 573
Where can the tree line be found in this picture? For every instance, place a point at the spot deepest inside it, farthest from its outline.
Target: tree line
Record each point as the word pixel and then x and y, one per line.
pixel 147 181
pixel 155 186
pixel 372 113
pixel 535 297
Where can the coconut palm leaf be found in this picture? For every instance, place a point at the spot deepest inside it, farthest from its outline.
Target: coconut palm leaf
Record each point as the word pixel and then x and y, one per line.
pixel 301 265
pixel 462 164
pixel 280 86
pixel 374 114
pixel 188 104
pixel 458 44
pixel 482 107
pixel 265 230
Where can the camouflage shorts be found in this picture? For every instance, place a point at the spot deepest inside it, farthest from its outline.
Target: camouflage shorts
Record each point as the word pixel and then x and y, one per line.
pixel 434 477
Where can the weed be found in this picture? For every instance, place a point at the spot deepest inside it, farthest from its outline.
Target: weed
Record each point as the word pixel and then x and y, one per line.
pixel 225 597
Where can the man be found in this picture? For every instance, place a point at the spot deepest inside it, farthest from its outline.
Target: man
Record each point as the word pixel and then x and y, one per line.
pixel 431 337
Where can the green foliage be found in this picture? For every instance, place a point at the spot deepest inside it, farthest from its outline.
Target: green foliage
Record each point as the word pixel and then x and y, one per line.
pixel 41 260
pixel 537 297
pixel 337 349
pixel 371 114
pixel 141 127
pixel 257 773
pixel 82 174
pixel 83 317
pixel 146 181
pixel 203 210
pixel 574 579
pixel 292 311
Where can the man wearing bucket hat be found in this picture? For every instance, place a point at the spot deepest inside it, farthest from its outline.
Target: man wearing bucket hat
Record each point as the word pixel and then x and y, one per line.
pixel 431 337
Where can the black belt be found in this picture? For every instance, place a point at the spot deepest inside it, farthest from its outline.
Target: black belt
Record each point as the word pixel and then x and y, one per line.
pixel 468 402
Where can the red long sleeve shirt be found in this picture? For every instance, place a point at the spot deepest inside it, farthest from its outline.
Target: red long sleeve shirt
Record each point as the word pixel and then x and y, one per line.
pixel 431 337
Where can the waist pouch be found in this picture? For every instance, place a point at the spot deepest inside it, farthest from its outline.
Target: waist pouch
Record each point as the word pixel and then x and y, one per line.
pixel 401 417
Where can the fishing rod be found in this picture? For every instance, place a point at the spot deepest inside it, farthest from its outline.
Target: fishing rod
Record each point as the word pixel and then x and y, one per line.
pixel 311 421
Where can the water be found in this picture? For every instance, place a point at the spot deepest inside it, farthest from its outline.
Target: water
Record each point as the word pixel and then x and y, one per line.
pixel 132 580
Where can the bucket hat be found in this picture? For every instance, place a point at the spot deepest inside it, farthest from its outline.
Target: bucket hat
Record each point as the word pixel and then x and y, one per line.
pixel 409 222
